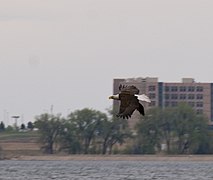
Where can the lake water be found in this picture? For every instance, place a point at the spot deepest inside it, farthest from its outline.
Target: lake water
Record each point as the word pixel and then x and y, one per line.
pixel 106 170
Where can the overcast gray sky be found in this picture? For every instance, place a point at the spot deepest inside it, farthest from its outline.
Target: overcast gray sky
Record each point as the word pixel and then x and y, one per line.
pixel 66 53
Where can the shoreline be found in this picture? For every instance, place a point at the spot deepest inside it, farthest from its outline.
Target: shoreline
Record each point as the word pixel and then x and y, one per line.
pixel 113 158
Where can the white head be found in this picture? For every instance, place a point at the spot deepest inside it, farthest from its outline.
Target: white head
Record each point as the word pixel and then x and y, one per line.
pixel 115 97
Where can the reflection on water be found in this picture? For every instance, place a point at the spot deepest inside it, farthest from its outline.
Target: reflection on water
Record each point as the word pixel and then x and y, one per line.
pixel 106 170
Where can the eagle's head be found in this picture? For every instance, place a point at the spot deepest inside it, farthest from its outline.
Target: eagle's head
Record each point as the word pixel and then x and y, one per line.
pixel 115 97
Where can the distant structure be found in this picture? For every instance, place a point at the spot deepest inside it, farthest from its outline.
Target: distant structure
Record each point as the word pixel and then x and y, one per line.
pixel 16 118
pixel 168 94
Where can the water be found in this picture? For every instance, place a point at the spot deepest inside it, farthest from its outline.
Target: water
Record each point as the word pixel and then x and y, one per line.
pixel 106 170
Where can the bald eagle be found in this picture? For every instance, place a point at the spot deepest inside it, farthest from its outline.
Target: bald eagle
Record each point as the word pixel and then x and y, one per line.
pixel 129 101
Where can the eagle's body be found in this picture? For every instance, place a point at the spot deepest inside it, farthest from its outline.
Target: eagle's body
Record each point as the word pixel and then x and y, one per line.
pixel 129 101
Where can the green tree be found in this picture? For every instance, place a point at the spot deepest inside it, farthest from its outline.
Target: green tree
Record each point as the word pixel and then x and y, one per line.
pixel 201 138
pixel 69 139
pixel 179 128
pixel 184 119
pixel 23 126
pixel 86 122
pixel 2 126
pixel 50 127
pixel 30 125
pixel 148 133
pixel 10 128
pixel 166 127
pixel 191 130
pixel 113 131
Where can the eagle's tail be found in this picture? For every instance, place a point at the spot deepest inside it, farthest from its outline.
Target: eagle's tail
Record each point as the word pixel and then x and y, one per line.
pixel 143 97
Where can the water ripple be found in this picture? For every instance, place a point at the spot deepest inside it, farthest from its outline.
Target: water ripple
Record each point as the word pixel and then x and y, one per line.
pixel 106 170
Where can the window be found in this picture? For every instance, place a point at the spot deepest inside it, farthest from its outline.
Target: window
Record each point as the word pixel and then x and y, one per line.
pixel 167 96
pixel 199 111
pixel 191 96
pixel 174 96
pixel 199 88
pixel 182 96
pixel 182 88
pixel 199 104
pixel 153 103
pixel 152 88
pixel 199 96
pixel 152 95
pixel 167 88
pixel 192 104
pixel 174 88
pixel 191 88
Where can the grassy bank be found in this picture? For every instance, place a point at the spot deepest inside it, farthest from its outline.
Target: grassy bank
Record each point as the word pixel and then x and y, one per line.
pixel 25 146
pixel 118 158
pixel 15 144
pixel 19 136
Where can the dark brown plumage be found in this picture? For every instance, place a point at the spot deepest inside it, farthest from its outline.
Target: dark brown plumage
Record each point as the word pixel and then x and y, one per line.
pixel 128 101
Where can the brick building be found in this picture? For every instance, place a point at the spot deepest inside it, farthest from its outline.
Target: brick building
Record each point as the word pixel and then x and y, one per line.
pixel 169 94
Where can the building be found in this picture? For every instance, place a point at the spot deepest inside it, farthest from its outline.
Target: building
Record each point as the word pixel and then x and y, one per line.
pixel 168 94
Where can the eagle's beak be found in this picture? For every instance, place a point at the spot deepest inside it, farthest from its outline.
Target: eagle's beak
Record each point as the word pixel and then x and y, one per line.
pixel 110 97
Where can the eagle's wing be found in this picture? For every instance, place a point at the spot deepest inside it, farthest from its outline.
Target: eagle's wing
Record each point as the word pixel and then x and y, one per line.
pixel 129 89
pixel 128 105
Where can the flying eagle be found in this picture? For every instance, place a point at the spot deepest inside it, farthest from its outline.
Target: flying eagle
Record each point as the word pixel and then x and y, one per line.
pixel 129 101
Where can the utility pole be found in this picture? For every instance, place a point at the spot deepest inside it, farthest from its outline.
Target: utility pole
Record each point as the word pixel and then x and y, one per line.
pixel 51 109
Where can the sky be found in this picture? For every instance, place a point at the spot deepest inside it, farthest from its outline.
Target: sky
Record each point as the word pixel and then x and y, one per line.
pixel 63 55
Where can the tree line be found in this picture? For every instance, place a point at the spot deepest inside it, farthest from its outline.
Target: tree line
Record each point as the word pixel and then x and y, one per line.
pixel 85 131
pixel 3 128
pixel 177 130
